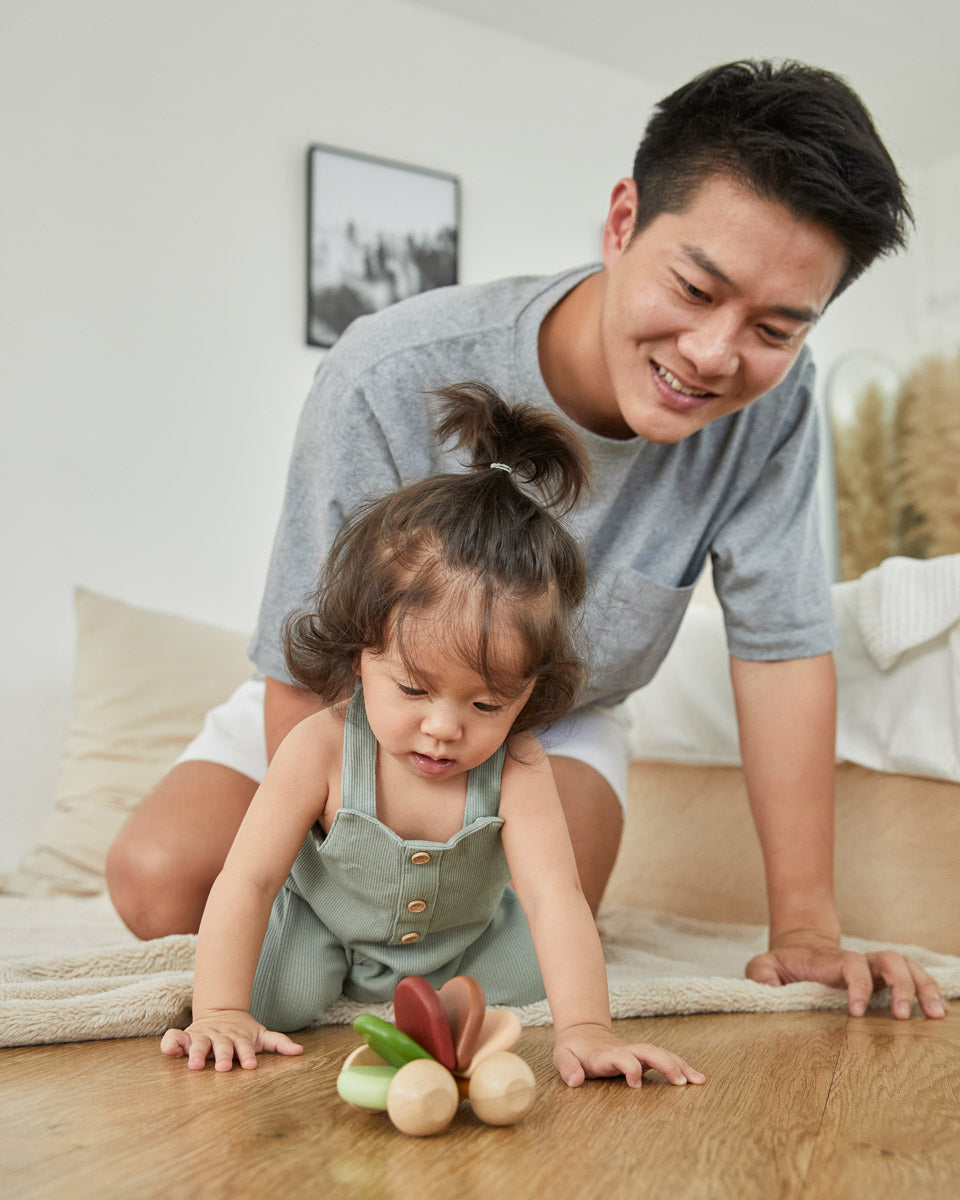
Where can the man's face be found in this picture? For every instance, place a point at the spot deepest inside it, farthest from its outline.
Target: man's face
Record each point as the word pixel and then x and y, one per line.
pixel 706 309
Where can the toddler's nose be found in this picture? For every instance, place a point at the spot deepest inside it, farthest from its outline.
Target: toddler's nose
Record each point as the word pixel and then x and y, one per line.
pixel 441 722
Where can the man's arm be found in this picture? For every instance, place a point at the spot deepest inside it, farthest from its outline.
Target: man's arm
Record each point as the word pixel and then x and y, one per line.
pixel 787 717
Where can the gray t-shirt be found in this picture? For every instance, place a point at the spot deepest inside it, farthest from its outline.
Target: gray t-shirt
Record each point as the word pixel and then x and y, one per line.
pixel 742 490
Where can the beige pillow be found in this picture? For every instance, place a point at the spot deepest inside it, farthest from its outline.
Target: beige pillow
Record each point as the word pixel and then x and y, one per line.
pixel 143 681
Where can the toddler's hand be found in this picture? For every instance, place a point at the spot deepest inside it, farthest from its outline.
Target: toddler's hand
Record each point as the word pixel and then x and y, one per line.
pixel 592 1051
pixel 223 1037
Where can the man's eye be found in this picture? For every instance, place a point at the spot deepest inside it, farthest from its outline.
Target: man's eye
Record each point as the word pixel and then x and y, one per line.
pixel 775 335
pixel 693 292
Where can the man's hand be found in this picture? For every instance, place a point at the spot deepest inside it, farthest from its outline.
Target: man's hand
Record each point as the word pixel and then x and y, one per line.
pixel 807 955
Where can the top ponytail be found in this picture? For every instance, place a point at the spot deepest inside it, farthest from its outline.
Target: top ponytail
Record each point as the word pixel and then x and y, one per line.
pixel 533 443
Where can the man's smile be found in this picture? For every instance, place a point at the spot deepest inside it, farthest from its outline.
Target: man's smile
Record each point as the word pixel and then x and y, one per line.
pixel 677 386
pixel 675 394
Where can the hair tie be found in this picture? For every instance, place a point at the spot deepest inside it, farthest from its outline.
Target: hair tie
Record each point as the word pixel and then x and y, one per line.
pixel 501 467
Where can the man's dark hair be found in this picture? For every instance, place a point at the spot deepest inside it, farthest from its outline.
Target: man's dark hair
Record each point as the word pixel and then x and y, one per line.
pixel 792 133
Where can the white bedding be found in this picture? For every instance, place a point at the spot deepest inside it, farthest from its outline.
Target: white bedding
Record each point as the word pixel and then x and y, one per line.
pixel 898 668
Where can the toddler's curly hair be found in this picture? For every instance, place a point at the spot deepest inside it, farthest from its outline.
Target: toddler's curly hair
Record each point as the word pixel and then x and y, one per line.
pixel 479 550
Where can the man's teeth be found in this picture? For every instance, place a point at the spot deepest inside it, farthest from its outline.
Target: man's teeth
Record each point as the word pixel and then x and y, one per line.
pixel 676 384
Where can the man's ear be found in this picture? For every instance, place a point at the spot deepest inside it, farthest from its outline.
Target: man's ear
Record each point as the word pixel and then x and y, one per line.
pixel 621 219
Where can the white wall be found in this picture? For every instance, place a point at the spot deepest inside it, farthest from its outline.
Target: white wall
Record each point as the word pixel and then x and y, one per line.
pixel 876 318
pixel 151 218
pixel 940 299
pixel 151 314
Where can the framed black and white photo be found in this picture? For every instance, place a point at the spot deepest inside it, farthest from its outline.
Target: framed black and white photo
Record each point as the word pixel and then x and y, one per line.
pixel 377 232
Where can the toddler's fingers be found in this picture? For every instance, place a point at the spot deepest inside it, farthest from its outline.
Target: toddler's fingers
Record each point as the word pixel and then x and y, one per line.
pixel 691 1073
pixel 200 1047
pixel 175 1043
pixel 246 1055
pixel 279 1043
pixel 624 1062
pixel 570 1068
pixel 223 1051
pixel 668 1064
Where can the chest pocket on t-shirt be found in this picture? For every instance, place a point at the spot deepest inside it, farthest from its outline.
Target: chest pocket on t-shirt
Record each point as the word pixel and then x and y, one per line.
pixel 629 625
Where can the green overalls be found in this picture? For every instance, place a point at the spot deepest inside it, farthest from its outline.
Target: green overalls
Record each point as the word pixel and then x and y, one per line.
pixel 362 908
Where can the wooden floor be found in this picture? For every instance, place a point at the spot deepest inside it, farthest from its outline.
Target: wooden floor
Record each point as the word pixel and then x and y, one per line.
pixel 811 1105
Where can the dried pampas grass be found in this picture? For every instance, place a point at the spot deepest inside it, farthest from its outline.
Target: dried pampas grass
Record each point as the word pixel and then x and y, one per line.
pixel 897 466
pixel 928 459
pixel 863 463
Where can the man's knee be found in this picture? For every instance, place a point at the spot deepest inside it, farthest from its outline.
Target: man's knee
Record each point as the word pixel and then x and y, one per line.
pixel 149 890
pixel 164 861
pixel 595 820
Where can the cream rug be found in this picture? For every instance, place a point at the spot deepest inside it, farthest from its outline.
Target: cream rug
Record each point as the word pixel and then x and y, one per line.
pixel 70 971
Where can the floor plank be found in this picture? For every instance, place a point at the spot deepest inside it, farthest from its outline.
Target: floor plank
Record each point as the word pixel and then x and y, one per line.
pixel 892 1123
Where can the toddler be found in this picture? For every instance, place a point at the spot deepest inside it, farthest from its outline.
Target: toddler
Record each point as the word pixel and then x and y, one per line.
pixel 412 827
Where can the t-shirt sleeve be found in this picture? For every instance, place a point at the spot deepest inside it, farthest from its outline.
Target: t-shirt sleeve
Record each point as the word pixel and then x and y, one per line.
pixel 769 570
pixel 341 454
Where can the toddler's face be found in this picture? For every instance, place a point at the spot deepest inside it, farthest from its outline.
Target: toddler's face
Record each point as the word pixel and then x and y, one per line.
pixel 442 719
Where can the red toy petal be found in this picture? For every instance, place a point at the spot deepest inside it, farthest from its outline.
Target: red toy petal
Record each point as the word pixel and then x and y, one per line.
pixel 417 1011
pixel 465 1004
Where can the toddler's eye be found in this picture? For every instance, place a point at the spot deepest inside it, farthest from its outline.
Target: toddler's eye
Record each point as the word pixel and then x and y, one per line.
pixel 411 691
pixel 487 708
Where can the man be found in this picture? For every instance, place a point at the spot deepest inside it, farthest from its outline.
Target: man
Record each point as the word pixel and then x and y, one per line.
pixel 759 193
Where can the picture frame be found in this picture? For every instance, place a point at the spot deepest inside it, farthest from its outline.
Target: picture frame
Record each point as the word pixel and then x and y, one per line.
pixel 378 231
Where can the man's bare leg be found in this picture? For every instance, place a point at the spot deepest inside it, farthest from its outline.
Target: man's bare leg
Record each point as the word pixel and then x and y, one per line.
pixel 165 859
pixel 595 821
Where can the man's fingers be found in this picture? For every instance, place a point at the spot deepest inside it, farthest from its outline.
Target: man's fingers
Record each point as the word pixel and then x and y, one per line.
pixel 907 981
pixel 764 969
pixel 929 993
pixel 858 977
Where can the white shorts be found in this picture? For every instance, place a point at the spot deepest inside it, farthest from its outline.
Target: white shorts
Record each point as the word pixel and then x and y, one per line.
pixel 233 736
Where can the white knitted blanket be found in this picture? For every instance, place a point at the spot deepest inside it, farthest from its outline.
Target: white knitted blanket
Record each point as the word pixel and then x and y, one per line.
pixel 906 602
pixel 69 971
